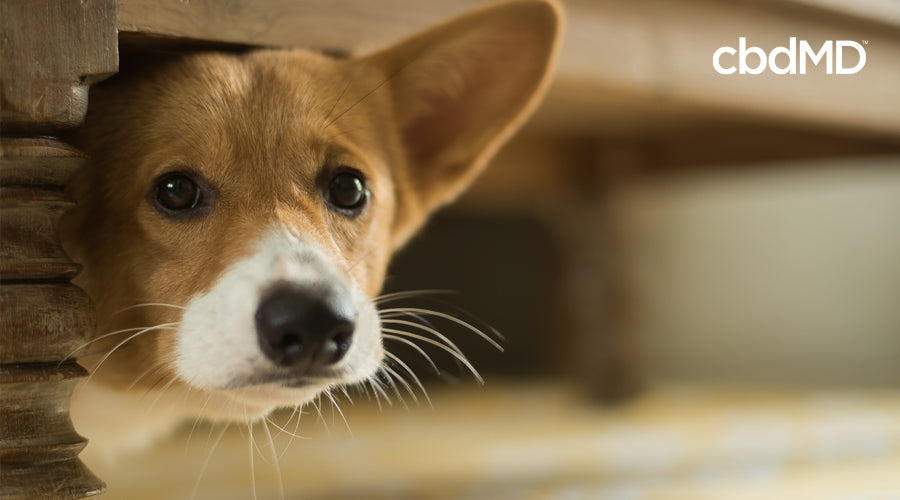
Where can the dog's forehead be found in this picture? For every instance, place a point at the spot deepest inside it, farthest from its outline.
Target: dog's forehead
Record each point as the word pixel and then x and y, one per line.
pixel 296 79
pixel 272 109
pixel 265 130
pixel 270 94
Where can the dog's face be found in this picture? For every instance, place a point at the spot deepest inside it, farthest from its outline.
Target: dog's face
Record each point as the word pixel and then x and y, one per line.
pixel 239 211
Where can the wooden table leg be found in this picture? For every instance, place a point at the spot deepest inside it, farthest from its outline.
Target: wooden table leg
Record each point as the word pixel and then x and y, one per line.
pixel 51 51
pixel 600 347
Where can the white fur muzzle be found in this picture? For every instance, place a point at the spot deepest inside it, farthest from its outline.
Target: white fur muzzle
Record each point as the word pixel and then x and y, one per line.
pixel 217 347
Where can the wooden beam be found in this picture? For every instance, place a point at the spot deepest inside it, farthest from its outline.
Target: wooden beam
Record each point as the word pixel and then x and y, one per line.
pixel 659 54
pixel 642 59
pixel 875 11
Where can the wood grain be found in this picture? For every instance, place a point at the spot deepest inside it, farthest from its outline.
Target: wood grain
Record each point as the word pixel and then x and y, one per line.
pixel 43 320
pixel 56 50
pixel 39 448
pixel 47 312
pixel 635 62
pixel 52 50
pixel 535 440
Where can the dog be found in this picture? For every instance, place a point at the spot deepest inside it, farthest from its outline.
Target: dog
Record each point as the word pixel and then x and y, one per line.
pixel 239 210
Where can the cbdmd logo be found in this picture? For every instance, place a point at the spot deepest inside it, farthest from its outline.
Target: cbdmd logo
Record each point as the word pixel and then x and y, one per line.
pixel 831 52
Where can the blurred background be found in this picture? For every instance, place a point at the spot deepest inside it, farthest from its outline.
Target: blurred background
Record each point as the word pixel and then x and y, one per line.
pixel 697 275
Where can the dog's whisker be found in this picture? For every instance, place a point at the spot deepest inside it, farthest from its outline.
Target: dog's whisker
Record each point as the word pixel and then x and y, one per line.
pixel 448 317
pixel 299 411
pixel 367 94
pixel 415 346
pixel 196 423
pixel 370 384
pixel 399 378
pixel 386 373
pixel 393 316
pixel 207 460
pixel 459 313
pixel 120 344
pixel 157 367
pixel 117 332
pixel 258 444
pixel 285 431
pixel 346 394
pixel 160 377
pixel 363 387
pixel 414 377
pixel 149 304
pixel 153 387
pixel 252 462
pixel 186 393
pixel 159 396
pixel 336 101
pixel 455 353
pixel 379 392
pixel 326 392
pixel 275 457
pixel 437 335
pixel 390 297
pixel 336 406
pixel 317 404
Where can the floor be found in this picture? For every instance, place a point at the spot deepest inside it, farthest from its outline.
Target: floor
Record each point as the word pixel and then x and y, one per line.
pixel 541 441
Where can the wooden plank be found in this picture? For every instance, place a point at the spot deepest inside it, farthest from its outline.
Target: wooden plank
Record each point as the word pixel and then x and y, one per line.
pixel 642 59
pixel 343 24
pixel 536 440
pixel 659 53
pixel 878 11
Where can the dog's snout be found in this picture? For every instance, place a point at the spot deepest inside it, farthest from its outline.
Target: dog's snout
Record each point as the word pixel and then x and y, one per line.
pixel 305 328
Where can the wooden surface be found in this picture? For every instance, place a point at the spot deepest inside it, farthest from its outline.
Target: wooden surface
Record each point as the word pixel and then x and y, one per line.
pixel 626 66
pixel 52 51
pixel 43 320
pixel 39 447
pixel 543 441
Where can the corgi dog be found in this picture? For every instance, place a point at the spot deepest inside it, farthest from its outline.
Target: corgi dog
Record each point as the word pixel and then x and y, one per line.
pixel 239 210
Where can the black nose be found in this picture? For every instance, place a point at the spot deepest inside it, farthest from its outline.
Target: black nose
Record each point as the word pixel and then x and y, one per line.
pixel 305 329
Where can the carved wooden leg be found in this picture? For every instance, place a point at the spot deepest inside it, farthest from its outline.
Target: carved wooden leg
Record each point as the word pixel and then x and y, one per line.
pixel 51 51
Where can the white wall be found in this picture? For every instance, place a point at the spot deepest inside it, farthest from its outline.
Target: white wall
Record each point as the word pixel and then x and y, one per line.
pixel 784 275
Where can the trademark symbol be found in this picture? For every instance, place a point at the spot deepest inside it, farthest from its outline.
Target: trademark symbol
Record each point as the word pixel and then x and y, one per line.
pixel 865 42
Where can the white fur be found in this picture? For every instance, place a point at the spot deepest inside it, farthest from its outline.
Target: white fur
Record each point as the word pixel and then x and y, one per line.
pixel 217 347
pixel 217 351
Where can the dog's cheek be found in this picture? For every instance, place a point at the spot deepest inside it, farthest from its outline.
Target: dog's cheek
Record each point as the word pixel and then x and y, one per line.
pixel 367 352
pixel 369 268
pixel 216 343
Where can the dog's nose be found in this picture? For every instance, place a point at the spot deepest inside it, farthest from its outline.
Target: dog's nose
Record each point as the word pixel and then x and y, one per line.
pixel 305 328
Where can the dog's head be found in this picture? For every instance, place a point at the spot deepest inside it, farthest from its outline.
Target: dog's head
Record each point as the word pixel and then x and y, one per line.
pixel 239 211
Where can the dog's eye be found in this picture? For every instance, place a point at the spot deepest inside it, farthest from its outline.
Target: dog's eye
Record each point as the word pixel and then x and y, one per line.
pixel 177 192
pixel 347 191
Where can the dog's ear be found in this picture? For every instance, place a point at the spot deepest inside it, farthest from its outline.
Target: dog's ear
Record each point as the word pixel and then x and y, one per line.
pixel 460 90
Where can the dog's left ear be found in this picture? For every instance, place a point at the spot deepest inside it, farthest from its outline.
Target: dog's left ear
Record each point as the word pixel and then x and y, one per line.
pixel 460 90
